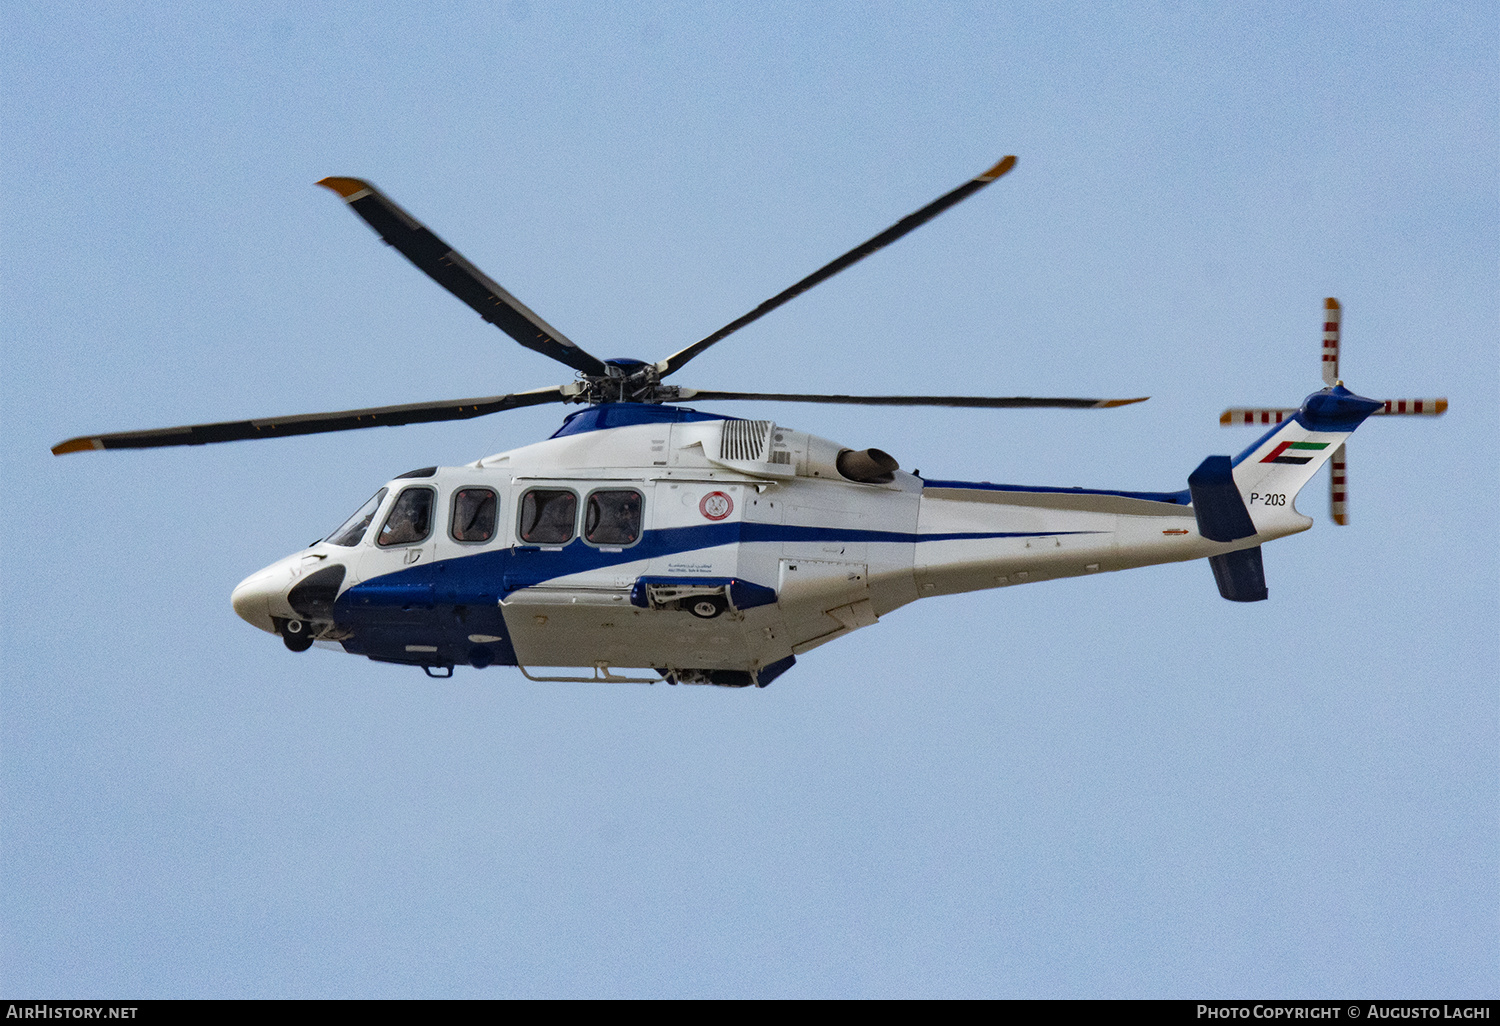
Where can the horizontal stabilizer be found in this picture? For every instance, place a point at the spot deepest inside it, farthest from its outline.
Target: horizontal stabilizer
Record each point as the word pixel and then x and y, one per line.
pixel 1241 576
pixel 1217 502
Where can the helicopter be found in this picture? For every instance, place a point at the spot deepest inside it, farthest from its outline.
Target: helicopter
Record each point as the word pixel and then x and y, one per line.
pixel 644 535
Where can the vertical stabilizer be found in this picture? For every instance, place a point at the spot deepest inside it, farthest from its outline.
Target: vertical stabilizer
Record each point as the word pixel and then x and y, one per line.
pixel 1271 472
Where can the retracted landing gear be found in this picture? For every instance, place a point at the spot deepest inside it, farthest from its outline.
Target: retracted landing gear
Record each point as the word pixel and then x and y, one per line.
pixel 706 598
pixel 706 607
pixel 718 678
pixel 729 678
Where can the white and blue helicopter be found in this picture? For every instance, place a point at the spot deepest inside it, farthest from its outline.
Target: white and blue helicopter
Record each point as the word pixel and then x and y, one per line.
pixel 714 550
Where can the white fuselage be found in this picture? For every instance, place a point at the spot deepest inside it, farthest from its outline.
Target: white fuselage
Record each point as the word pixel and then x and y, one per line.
pixel 745 514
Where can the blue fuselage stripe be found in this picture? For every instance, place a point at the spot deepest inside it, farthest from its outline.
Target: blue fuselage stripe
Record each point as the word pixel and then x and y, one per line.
pixel 407 606
pixel 500 571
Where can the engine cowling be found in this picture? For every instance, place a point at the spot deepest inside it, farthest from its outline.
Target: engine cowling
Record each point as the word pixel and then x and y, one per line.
pixel 818 457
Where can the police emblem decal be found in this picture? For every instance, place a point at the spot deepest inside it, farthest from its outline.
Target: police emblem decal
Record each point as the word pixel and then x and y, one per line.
pixel 716 506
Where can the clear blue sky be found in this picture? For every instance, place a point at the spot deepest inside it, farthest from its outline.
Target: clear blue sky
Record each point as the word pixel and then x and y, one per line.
pixel 1115 786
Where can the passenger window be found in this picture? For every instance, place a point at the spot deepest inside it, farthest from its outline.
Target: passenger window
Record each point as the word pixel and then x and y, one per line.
pixel 547 516
pixel 614 517
pixel 410 519
pixel 473 515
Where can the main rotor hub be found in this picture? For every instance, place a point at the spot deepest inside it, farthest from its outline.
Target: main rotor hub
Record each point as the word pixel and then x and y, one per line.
pixel 626 380
pixel 624 366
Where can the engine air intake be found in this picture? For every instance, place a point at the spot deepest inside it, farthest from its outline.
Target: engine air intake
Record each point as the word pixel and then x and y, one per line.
pixel 745 440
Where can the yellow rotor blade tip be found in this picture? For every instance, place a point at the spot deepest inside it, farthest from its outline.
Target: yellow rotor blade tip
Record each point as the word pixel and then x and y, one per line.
pixel 999 169
pixel 345 187
pixel 1330 303
pixel 76 445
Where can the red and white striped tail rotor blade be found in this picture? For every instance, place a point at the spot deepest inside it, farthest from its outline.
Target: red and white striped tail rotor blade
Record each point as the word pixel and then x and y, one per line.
pixel 1332 314
pixel 1237 415
pixel 1413 408
pixel 1338 487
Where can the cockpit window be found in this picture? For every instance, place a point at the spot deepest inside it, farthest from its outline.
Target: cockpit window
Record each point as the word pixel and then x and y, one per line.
pixel 547 516
pixel 473 515
pixel 352 530
pixel 410 519
pixel 613 517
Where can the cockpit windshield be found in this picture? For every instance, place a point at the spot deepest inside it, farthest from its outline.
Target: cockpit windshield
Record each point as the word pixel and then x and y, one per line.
pixel 353 529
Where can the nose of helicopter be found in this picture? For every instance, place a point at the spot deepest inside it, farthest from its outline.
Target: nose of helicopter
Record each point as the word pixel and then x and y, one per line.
pixel 253 596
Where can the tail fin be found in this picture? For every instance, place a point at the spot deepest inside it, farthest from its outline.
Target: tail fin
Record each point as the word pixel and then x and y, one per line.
pixel 1255 494
pixel 1270 473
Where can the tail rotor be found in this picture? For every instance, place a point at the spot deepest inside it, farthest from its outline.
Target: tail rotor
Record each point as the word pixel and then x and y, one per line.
pixel 1338 466
pixel 1333 314
pixel 1338 487
pixel 1413 408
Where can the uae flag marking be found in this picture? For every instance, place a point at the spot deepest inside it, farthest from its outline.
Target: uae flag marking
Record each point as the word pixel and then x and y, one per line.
pixel 1286 452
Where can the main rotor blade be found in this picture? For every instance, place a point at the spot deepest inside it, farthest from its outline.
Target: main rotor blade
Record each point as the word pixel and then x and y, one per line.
pixel 858 253
pixel 310 423
pixel 972 401
pixel 446 266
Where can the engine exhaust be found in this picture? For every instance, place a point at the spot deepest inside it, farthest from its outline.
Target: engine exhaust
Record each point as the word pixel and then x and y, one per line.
pixel 867 466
